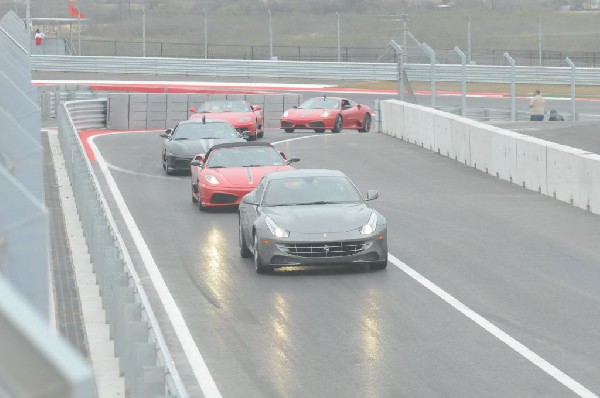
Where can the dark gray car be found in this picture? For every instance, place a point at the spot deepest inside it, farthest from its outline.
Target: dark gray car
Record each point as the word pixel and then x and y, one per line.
pixel 310 217
pixel 192 137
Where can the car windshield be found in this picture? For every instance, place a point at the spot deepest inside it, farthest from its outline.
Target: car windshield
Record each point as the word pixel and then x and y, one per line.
pixel 224 106
pixel 320 103
pixel 198 131
pixel 313 190
pixel 244 157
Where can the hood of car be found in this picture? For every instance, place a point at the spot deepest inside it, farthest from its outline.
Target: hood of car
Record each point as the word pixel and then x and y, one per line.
pixel 309 113
pixel 243 176
pixel 320 218
pixel 232 117
pixel 194 147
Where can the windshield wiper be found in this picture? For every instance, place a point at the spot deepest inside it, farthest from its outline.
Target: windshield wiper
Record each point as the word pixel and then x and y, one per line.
pixel 319 202
pixel 181 138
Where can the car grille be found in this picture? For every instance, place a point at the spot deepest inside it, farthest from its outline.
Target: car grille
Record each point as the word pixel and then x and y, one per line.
pixel 328 249
pixel 182 164
pixel 223 199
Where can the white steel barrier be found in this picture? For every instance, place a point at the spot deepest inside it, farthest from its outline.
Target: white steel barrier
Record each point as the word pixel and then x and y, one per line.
pixel 567 174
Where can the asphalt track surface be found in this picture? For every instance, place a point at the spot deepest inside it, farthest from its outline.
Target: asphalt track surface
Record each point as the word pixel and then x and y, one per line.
pixel 491 290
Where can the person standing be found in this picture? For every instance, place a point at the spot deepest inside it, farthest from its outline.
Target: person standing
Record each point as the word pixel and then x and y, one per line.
pixel 39 36
pixel 536 107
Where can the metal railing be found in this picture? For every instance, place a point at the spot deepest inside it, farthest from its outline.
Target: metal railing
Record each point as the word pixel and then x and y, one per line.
pixel 144 356
pixel 313 70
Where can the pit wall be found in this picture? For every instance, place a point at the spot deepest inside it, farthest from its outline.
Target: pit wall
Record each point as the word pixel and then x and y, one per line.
pixel 565 173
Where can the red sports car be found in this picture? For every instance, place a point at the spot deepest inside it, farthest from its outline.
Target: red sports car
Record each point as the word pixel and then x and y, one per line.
pixel 244 117
pixel 327 113
pixel 229 171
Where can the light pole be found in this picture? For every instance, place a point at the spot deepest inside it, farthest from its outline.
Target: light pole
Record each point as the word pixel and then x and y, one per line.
pixel 337 14
pixel 270 36
pixel 540 39
pixel 468 38
pixel 143 32
pixel 205 34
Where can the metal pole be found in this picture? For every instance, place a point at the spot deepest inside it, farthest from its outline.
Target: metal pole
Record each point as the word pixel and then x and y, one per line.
pixel 400 56
pixel 431 53
pixel 573 96
pixel 405 28
pixel 205 34
pixel 463 59
pixel 143 32
pixel 513 105
pixel 28 23
pixel 469 38
pixel 540 39
pixel 78 27
pixel 270 36
pixel 337 14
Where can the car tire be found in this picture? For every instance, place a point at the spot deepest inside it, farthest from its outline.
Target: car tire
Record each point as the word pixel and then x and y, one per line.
pixel 319 130
pixel 194 198
pixel 258 265
pixel 337 125
pixel 201 207
pixel 366 124
pixel 379 265
pixel 261 134
pixel 289 130
pixel 244 251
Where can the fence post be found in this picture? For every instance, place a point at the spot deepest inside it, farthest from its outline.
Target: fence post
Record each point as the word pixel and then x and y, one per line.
pixel 513 109
pixel 431 54
pixel 463 80
pixel 400 57
pixel 573 96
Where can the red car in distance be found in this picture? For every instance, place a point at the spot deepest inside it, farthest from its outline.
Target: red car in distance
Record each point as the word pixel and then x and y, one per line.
pixel 327 113
pixel 246 118
pixel 229 171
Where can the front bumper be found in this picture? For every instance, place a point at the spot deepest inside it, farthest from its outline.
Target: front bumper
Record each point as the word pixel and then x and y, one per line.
pixel 216 195
pixel 314 249
pixel 308 123
pixel 178 162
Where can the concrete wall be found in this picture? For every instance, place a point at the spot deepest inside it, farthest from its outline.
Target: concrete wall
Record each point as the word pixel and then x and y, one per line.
pixel 128 111
pixel 567 174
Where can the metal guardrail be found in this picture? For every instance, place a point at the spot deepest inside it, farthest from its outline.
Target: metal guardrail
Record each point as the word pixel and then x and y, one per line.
pixel 313 70
pixel 145 359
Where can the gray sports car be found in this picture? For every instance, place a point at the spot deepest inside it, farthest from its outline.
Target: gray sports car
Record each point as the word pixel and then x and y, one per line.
pixel 192 137
pixel 310 217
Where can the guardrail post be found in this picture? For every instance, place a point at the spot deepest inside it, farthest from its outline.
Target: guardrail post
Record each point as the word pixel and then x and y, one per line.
pixel 400 56
pixel 463 80
pixel 431 54
pixel 513 108
pixel 573 96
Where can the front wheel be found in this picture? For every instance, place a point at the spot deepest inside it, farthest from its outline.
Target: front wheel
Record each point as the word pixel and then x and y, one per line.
pixel 366 124
pixel 244 251
pixel 258 264
pixel 337 126
pixel 289 130
pixel 319 130
pixel 379 265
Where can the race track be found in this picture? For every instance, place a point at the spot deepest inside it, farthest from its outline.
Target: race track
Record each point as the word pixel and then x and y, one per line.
pixel 491 290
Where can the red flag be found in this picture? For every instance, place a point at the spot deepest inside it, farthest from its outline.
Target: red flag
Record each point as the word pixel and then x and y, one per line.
pixel 75 12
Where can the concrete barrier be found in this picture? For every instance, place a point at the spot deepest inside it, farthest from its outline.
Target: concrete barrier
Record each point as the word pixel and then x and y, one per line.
pixel 567 174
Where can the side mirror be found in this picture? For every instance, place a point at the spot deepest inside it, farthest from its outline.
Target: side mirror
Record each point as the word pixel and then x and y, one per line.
pixel 167 133
pixel 193 110
pixel 358 106
pixel 256 108
pixel 249 199
pixel 295 106
pixel 292 160
pixel 196 162
pixel 372 195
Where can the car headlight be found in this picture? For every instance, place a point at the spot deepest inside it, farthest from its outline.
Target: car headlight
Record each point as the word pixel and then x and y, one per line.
pixel 370 226
pixel 244 119
pixel 325 114
pixel 285 114
pixel 211 179
pixel 276 229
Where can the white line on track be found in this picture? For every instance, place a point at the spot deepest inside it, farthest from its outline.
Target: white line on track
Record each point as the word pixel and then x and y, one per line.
pixel 196 360
pixel 495 331
pixel 205 380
